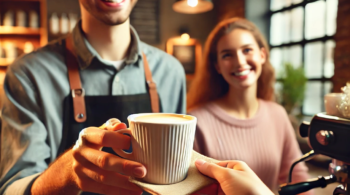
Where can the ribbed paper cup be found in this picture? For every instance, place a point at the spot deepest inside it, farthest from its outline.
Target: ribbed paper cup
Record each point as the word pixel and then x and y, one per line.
pixel 164 147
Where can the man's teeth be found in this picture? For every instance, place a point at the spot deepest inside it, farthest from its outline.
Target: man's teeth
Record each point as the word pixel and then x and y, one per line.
pixel 243 73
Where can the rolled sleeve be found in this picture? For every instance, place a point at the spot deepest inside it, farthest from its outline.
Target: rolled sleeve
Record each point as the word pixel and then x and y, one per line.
pixel 21 186
pixel 23 140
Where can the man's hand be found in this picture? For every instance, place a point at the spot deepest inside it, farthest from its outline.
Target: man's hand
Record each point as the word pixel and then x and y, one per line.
pixel 89 169
pixel 234 177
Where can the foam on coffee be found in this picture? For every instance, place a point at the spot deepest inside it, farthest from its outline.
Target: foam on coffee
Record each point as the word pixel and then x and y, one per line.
pixel 163 118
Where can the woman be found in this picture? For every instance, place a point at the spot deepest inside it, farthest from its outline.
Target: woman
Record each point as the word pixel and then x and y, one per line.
pixel 232 98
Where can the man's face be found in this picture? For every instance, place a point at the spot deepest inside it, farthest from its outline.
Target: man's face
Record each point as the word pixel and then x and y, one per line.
pixel 110 12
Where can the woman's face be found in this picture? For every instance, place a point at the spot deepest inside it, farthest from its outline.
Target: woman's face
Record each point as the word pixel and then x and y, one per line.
pixel 240 59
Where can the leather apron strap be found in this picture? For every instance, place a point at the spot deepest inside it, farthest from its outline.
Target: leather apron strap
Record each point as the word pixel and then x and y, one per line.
pixel 78 92
pixel 152 87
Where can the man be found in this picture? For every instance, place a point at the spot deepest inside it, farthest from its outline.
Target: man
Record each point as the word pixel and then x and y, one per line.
pixel 100 71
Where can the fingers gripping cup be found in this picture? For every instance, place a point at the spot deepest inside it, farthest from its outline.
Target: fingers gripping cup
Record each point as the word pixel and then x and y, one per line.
pixel 163 143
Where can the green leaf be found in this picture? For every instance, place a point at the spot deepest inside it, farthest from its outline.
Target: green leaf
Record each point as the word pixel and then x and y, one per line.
pixel 293 85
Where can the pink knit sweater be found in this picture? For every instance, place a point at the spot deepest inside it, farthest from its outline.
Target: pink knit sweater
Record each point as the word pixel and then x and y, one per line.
pixel 266 142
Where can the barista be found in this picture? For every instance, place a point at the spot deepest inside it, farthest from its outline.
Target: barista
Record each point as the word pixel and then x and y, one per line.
pixel 101 70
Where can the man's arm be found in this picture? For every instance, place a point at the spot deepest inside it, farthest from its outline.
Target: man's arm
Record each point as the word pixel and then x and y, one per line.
pixel 58 178
pixel 25 150
pixel 23 140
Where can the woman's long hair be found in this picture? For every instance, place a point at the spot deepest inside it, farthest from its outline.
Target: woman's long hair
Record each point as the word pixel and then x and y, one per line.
pixel 209 85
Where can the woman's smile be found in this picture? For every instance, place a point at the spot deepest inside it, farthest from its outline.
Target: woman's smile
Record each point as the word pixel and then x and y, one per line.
pixel 241 72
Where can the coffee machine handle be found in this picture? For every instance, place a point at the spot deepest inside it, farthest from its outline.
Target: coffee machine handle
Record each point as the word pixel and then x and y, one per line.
pixel 297 188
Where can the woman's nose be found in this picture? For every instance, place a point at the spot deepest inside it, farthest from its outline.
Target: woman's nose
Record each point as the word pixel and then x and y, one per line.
pixel 240 59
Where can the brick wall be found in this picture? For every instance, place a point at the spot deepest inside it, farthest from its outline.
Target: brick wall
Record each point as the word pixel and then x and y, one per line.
pixel 229 8
pixel 342 49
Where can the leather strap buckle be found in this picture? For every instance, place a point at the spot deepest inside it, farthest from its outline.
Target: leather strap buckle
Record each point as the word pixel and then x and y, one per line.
pixel 152 85
pixel 78 92
pixel 79 105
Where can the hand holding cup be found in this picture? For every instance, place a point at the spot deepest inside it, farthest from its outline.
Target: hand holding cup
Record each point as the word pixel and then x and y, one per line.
pixel 101 172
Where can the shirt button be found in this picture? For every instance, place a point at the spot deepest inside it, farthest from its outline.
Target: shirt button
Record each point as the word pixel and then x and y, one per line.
pixel 117 79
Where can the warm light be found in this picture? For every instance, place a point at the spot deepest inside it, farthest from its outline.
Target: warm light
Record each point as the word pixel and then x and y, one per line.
pixel 192 3
pixel 185 36
pixel 193 6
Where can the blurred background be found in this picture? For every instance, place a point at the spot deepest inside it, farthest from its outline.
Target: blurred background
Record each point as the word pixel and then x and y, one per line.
pixel 309 41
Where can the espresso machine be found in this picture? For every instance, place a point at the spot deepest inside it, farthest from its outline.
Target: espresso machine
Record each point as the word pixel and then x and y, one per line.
pixel 330 136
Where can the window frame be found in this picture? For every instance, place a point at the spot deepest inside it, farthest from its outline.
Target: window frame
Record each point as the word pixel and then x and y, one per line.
pixel 323 80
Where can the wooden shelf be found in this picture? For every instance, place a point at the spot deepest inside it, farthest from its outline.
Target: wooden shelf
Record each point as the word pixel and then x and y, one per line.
pixel 5 62
pixel 19 35
pixel 19 30
pixel 20 0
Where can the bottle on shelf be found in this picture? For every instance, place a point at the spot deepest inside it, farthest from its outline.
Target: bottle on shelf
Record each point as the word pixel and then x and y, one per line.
pixel 54 24
pixel 33 19
pixel 21 18
pixel 9 18
pixel 64 24
pixel 10 50
pixel 2 52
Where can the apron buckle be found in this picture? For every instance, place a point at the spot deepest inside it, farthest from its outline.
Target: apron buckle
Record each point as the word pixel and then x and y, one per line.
pixel 78 92
pixel 79 104
pixel 151 84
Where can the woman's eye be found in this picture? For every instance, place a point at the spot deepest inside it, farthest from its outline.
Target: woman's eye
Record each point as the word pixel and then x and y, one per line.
pixel 226 55
pixel 247 50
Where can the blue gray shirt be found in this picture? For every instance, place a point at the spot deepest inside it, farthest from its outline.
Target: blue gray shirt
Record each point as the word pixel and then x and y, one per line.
pixel 36 84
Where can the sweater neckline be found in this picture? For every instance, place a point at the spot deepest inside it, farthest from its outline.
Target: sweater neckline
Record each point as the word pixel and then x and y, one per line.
pixel 221 114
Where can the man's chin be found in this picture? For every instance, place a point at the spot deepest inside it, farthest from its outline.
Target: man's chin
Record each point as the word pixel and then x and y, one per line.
pixel 115 22
pixel 111 20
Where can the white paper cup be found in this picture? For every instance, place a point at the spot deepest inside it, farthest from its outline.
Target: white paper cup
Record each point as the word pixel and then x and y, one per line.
pixel 162 144
pixel 332 102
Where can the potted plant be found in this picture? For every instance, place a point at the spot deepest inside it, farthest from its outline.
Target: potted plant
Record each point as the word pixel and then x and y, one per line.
pixel 293 87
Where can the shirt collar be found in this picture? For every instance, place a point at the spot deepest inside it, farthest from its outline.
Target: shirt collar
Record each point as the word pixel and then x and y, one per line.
pixel 86 53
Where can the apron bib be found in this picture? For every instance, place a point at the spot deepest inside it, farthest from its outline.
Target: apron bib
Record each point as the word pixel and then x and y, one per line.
pixel 82 111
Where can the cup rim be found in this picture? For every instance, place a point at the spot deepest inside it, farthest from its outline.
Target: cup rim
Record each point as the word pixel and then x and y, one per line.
pixel 132 117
